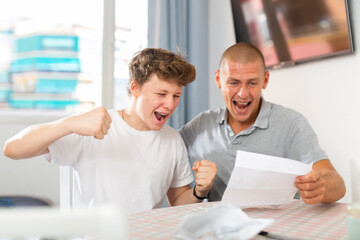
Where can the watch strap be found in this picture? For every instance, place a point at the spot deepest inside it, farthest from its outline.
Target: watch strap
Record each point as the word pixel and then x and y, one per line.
pixel 200 198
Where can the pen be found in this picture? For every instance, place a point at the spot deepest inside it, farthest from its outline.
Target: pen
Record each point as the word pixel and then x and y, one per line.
pixel 272 236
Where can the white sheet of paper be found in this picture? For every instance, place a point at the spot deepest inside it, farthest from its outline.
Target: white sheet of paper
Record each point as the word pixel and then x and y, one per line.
pixel 262 180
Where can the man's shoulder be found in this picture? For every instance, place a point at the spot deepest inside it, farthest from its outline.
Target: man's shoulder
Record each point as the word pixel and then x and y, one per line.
pixel 204 121
pixel 280 111
pixel 211 114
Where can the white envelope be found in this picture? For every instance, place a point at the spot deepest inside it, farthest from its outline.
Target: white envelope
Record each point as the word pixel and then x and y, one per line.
pixel 262 180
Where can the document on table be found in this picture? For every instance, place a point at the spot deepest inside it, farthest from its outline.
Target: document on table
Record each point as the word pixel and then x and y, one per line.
pixel 262 180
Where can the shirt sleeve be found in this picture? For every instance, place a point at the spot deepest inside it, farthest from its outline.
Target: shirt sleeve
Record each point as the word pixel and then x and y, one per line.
pixel 183 174
pixel 185 133
pixel 191 134
pixel 66 150
pixel 304 143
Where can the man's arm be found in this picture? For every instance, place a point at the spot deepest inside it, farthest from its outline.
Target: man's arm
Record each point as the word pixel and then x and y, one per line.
pixel 205 172
pixel 34 140
pixel 322 185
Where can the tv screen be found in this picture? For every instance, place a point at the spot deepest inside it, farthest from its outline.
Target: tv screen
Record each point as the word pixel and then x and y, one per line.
pixel 293 31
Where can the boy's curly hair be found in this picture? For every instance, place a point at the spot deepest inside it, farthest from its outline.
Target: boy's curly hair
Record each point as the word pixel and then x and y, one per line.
pixel 164 64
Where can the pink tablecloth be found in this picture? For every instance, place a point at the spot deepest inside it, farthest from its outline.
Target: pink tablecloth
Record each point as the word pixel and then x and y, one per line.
pixel 296 220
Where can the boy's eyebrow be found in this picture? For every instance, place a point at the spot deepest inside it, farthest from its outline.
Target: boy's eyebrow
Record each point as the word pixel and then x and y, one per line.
pixel 166 91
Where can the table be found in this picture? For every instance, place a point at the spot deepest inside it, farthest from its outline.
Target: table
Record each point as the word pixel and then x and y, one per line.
pixel 295 220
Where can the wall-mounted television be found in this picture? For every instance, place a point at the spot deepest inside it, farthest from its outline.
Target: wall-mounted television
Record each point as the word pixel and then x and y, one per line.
pixel 289 32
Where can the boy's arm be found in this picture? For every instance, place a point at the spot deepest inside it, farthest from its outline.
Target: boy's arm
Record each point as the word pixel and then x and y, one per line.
pixel 180 196
pixel 205 172
pixel 34 140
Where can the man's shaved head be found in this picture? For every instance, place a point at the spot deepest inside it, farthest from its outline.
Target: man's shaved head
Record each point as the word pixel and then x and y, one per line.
pixel 242 53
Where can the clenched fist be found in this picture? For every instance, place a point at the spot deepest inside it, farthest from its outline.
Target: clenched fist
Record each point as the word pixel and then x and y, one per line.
pixel 93 123
pixel 205 172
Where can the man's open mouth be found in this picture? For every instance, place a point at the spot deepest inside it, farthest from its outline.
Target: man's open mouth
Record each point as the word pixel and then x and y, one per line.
pixel 242 106
pixel 160 116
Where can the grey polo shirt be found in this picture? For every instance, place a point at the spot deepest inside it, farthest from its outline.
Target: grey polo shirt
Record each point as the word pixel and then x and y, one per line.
pixel 277 131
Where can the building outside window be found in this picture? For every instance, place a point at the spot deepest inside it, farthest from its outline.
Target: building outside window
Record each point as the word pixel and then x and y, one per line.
pixel 52 53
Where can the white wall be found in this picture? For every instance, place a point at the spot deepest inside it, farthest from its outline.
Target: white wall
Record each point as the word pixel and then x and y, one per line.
pixel 325 91
pixel 34 177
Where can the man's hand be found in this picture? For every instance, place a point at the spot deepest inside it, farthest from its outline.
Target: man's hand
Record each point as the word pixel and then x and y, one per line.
pixel 322 185
pixel 93 123
pixel 205 172
pixel 311 187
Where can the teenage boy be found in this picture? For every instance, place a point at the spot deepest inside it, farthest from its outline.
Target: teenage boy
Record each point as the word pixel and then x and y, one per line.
pixel 128 157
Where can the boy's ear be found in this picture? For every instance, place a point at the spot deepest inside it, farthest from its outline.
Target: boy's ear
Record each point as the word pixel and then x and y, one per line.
pixel 134 88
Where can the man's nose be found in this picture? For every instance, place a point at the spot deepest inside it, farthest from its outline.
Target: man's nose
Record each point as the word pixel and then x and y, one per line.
pixel 243 92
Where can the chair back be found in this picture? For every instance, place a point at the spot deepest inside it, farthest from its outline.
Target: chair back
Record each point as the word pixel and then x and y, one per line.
pixel 24 201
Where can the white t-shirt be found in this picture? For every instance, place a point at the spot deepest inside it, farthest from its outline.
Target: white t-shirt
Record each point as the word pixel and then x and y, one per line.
pixel 128 167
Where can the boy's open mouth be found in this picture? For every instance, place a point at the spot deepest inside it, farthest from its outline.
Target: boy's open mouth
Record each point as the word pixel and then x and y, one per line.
pixel 160 116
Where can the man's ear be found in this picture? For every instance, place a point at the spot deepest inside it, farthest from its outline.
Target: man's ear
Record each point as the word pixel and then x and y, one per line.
pixel 266 79
pixel 217 78
pixel 134 88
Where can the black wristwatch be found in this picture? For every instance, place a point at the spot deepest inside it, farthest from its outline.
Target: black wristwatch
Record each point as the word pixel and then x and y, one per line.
pixel 200 198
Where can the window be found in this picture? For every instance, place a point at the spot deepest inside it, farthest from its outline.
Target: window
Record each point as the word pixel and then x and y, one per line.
pixel 52 53
pixel 130 37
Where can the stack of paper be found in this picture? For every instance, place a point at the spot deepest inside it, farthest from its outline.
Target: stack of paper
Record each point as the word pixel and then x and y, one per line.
pixel 262 180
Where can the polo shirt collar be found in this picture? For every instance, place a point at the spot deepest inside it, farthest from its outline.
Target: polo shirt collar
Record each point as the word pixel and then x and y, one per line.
pixel 262 121
pixel 221 118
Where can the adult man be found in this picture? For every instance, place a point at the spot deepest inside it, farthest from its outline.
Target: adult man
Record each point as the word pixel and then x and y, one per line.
pixel 249 123
pixel 127 157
